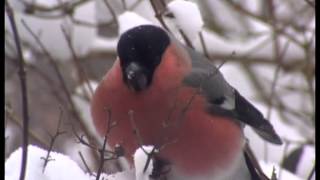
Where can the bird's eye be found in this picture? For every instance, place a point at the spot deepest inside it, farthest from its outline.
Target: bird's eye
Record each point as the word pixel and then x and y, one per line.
pixel 219 101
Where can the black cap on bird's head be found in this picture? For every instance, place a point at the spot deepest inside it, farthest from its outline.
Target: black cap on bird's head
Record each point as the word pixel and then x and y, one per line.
pixel 140 50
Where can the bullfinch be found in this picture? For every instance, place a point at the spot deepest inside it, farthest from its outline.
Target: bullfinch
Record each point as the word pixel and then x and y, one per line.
pixel 163 94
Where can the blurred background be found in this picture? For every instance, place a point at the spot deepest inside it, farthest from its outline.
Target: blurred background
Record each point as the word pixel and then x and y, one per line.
pixel 267 49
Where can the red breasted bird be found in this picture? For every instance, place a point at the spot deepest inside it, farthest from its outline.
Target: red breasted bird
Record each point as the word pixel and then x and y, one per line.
pixel 160 93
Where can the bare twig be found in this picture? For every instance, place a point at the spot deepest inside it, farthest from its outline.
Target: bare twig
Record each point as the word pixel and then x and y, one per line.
pixel 198 91
pixel 254 162
pixel 242 10
pixel 81 72
pixel 89 24
pixel 113 13
pixel 311 173
pixel 140 140
pixel 52 141
pixel 274 175
pixel 310 2
pixel 13 117
pixel 54 65
pixel 203 44
pixel 186 39
pixel 292 65
pixel 60 77
pixel 135 128
pixel 81 139
pixel 50 82
pixel 85 163
pixel 158 7
pixel 124 4
pixel 286 146
pixel 32 7
pixel 308 71
pixel 273 85
pixel 112 154
pixel 110 126
pixel 150 155
pixel 101 158
pixel 134 5
pixel 23 83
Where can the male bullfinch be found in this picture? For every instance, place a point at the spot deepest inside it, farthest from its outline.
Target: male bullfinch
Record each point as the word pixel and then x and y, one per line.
pixel 163 94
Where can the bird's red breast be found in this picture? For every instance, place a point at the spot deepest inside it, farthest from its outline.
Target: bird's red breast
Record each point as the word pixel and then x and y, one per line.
pixel 168 115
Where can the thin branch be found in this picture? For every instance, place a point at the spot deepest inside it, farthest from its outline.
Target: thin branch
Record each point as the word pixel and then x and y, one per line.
pixel 124 5
pixel 308 72
pixel 32 7
pixel 158 12
pixel 13 117
pixel 81 72
pixel 81 139
pixel 140 141
pixel 254 161
pixel 113 13
pixel 102 160
pixel 50 82
pixel 274 175
pixel 85 163
pixel 272 93
pixel 286 146
pixel 203 44
pixel 150 155
pixel 199 89
pixel 110 126
pixel 52 62
pixel 135 128
pixel 89 24
pixel 238 7
pixel 61 79
pixel 133 6
pixel 186 39
pixel 311 173
pixel 53 139
pixel 274 82
pixel 23 83
pixel 292 65
pixel 311 3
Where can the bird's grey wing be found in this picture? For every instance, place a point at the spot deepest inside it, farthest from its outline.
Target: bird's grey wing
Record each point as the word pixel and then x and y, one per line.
pixel 224 100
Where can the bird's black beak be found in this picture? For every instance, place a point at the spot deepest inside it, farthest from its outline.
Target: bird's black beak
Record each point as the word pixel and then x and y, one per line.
pixel 136 77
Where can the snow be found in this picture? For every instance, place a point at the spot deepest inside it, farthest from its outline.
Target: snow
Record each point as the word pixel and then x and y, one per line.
pixel 63 168
pixel 307 161
pixel 28 56
pixel 83 36
pixel 126 20
pixel 129 19
pixel 140 160
pixel 46 29
pixel 125 175
pixel 60 167
pixel 187 17
pixel 268 169
pixel 285 131
pixel 104 44
pixel 85 87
